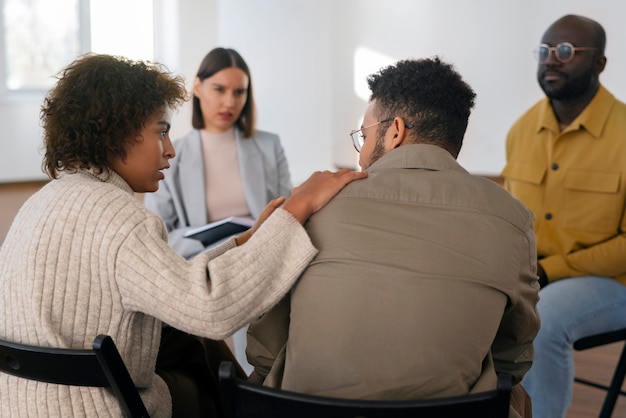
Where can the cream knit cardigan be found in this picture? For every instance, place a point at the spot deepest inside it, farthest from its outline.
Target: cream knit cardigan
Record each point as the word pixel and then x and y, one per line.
pixel 84 257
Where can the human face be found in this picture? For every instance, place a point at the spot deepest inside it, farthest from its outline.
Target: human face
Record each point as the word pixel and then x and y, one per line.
pixel 148 155
pixel 576 78
pixel 222 98
pixel 373 149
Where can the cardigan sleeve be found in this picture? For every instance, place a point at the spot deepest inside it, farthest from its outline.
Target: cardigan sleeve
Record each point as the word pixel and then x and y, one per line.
pixel 211 296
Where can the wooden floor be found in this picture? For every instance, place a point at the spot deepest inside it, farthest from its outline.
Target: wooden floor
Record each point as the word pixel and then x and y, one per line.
pixel 595 364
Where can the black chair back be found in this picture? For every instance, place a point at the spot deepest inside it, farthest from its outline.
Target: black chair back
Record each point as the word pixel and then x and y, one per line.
pixel 243 399
pixel 101 367
pixel 614 389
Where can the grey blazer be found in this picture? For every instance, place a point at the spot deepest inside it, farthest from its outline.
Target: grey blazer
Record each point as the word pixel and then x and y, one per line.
pixel 181 198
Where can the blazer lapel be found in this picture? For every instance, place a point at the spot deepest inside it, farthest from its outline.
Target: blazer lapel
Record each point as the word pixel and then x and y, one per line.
pixel 252 173
pixel 193 191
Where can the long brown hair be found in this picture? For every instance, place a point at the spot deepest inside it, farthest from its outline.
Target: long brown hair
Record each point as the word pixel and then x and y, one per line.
pixel 215 61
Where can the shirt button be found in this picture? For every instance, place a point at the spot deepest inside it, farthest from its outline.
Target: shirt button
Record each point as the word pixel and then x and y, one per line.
pixel 555 166
pixel 548 216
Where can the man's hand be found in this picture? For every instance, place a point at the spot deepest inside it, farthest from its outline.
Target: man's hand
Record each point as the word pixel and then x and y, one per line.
pixel 543 278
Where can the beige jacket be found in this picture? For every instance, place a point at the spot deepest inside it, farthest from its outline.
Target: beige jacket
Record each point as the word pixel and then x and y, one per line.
pixel 424 286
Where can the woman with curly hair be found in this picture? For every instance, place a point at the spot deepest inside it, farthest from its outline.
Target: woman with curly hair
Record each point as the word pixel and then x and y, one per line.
pixel 84 257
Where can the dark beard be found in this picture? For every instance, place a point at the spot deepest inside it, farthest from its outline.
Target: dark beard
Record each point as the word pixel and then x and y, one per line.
pixel 379 147
pixel 571 90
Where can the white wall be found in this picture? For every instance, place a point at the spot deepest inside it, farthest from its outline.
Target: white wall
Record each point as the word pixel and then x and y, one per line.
pixel 287 45
pixel 186 32
pixel 20 141
pixel 302 57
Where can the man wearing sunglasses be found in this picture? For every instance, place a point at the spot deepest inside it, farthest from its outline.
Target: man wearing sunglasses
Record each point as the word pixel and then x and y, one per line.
pixel 424 285
pixel 566 159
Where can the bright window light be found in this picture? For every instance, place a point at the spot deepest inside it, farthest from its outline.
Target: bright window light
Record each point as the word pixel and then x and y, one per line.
pixel 40 38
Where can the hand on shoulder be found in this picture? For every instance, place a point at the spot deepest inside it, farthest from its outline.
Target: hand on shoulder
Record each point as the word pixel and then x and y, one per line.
pixel 306 199
pixel 317 191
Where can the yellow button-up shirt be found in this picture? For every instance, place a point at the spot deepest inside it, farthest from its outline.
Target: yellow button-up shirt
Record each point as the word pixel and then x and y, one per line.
pixel 575 183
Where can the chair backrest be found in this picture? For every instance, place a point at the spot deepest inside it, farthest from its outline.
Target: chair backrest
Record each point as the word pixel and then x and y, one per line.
pixel 243 399
pixel 101 367
pixel 614 389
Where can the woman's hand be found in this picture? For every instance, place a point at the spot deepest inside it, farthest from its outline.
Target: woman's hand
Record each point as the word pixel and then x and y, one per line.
pixel 306 199
pixel 269 209
pixel 317 190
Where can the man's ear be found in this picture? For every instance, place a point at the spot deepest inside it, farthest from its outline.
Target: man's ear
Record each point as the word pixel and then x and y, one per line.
pixel 600 63
pixel 396 134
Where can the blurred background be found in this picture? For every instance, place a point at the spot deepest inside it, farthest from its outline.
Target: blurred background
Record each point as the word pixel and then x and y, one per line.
pixel 309 61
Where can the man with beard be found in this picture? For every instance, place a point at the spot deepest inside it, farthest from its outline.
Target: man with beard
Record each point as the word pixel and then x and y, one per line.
pixel 424 285
pixel 566 160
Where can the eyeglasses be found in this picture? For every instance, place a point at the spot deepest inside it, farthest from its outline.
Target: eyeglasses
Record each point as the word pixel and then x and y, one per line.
pixel 564 52
pixel 357 136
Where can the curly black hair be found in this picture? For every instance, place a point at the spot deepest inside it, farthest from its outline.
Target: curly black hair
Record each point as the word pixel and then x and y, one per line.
pixel 99 106
pixel 429 94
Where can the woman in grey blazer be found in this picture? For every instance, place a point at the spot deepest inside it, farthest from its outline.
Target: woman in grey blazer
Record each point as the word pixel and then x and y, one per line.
pixel 223 167
pixel 224 138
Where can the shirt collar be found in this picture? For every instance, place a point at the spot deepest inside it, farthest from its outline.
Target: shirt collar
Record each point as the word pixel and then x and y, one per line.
pixel 592 118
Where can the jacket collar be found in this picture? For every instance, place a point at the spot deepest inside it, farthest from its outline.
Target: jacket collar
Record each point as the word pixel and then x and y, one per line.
pixel 417 156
